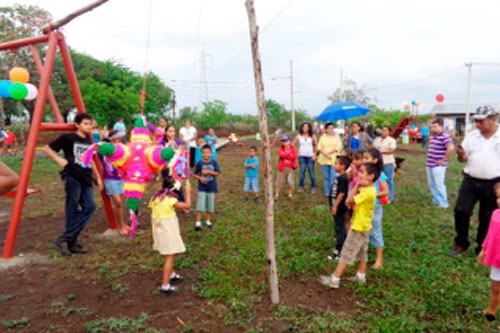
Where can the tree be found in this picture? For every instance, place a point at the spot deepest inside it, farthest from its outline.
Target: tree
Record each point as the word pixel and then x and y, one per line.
pixel 13 19
pixel 350 92
pixel 214 114
pixel 278 115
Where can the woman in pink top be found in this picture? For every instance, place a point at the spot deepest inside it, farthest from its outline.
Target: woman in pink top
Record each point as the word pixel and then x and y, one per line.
pixel 490 256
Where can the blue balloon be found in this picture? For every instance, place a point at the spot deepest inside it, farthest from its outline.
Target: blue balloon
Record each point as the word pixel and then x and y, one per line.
pixel 413 102
pixel 4 88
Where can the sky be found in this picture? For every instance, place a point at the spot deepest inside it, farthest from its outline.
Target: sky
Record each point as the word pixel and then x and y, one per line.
pixel 398 51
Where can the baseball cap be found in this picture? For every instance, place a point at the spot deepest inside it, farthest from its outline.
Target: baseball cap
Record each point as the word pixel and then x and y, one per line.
pixel 484 112
pixel 285 138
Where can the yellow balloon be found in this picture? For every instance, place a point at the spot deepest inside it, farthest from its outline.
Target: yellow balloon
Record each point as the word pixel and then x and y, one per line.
pixel 18 74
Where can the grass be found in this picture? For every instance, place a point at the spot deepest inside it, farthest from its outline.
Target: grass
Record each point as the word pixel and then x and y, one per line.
pixel 419 289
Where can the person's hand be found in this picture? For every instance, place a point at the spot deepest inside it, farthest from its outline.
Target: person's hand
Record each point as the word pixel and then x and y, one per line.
pixel 349 201
pixel 314 158
pixel 481 256
pixel 441 161
pixel 461 153
pixel 205 172
pixel 203 180
pixel 363 183
pixel 334 211
pixel 62 162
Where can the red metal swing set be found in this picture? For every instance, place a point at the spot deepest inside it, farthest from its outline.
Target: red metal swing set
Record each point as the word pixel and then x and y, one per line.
pixel 55 40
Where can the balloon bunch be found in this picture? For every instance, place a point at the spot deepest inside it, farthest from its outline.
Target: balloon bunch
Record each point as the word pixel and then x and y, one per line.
pixel 18 87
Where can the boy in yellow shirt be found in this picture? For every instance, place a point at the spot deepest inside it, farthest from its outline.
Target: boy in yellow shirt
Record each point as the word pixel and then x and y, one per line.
pixel 364 196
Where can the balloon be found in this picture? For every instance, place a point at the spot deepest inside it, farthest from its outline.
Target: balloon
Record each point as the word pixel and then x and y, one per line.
pixel 18 91
pixel 413 102
pixel 18 74
pixel 406 106
pixel 417 103
pixel 4 88
pixel 439 98
pixel 32 92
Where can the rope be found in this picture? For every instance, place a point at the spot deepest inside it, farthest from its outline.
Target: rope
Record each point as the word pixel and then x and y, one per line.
pixel 143 91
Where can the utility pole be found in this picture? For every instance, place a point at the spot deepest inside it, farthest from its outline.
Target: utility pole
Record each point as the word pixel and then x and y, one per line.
pixel 469 83
pixel 173 105
pixel 291 95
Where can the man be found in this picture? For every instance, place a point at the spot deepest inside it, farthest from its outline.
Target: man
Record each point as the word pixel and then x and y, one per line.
pixel 424 130
pixel 480 150
pixel 440 149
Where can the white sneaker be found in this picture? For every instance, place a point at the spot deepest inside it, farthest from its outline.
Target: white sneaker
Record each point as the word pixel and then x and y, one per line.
pixel 358 279
pixel 327 280
pixel 208 224
pixel 197 226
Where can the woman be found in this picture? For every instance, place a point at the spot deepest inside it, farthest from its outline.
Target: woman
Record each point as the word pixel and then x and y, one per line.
pixel 387 146
pixel 329 146
pixel 358 139
pixel 161 129
pixel 307 142
pixel 188 137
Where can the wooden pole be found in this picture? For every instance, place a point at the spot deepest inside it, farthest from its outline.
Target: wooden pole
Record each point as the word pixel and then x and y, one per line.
pixel 266 154
pixel 75 14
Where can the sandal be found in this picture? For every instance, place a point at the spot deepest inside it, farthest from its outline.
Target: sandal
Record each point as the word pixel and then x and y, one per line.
pixel 174 277
pixel 488 316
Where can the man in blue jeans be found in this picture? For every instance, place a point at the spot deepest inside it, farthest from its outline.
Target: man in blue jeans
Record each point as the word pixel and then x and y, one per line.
pixel 440 149
pixel 77 182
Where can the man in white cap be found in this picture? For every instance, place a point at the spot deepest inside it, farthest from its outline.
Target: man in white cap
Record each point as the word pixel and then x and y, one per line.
pixel 480 150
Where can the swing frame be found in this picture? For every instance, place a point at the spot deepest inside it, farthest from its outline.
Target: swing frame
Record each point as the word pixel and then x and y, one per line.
pixel 55 40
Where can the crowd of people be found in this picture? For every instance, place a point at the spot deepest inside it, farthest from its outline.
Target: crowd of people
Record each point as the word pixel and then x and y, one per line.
pixel 358 175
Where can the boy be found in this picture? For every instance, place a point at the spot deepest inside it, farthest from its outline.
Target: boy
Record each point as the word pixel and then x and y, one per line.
pixel 338 196
pixel 287 163
pixel 364 197
pixel 77 182
pixel 205 172
pixel 251 174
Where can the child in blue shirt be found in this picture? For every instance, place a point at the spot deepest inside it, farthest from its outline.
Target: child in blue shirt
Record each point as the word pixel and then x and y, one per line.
pixel 211 140
pixel 206 172
pixel 251 174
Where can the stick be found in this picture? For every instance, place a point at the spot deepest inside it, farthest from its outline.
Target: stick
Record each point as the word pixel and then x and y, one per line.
pixel 75 14
pixel 266 154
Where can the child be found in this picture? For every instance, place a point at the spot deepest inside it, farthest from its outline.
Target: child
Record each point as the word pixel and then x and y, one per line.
pixel 165 227
pixel 77 182
pixel 10 141
pixel 205 172
pixel 211 140
pixel 287 163
pixel 251 174
pixel 353 175
pixel 338 196
pixel 96 133
pixel 374 156
pixel 113 183
pixel 489 256
pixel 356 244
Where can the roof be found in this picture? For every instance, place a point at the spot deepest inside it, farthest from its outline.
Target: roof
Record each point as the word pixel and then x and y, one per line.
pixel 459 108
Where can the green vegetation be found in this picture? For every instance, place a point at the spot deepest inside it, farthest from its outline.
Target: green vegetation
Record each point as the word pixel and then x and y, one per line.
pixel 122 324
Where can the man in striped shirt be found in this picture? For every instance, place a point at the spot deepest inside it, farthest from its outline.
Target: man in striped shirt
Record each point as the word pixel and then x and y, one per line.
pixel 440 149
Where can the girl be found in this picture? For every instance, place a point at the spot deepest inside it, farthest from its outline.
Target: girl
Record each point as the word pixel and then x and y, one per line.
pixel 374 156
pixel 169 140
pixel 387 146
pixel 211 140
pixel 165 227
pixel 358 139
pixel 489 256
pixel 96 133
pixel 161 129
pixel 329 146
pixel 113 183
pixel 287 163
pixel 353 176
pixel 307 141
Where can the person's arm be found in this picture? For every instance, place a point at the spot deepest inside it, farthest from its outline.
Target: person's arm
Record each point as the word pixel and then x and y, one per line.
pixel 97 178
pixel 462 152
pixel 195 135
pixel 368 138
pixel 214 173
pixel 293 154
pixel 187 196
pixel 350 198
pixel 335 206
pixel 8 179
pixel 53 156
pixel 295 140
pixel 384 191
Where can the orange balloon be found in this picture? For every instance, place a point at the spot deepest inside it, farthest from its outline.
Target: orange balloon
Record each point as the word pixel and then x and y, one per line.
pixel 18 74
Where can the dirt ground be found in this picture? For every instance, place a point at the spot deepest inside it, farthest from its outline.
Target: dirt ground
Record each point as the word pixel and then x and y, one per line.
pixel 60 296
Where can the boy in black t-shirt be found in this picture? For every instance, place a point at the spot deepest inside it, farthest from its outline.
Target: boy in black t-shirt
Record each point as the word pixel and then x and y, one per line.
pixel 77 182
pixel 338 195
pixel 205 172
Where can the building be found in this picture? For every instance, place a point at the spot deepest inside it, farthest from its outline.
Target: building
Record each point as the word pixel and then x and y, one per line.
pixel 453 115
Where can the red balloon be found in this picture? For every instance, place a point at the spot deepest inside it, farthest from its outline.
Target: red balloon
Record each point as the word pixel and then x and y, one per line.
pixel 440 98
